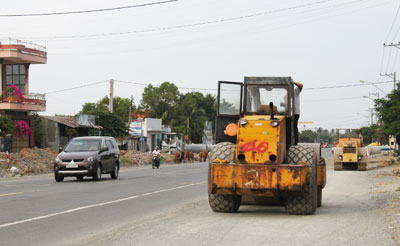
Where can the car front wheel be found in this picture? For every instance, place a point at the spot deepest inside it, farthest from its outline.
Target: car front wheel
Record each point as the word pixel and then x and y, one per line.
pixel 58 178
pixel 98 173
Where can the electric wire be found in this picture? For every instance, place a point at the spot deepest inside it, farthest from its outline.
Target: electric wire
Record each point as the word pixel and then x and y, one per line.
pixel 394 21
pixel 207 89
pixel 395 59
pixel 76 87
pixel 349 85
pixel 87 11
pixel 337 7
pixel 184 25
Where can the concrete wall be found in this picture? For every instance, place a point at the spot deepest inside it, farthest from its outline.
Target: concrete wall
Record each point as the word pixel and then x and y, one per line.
pixel 151 125
pixel 51 134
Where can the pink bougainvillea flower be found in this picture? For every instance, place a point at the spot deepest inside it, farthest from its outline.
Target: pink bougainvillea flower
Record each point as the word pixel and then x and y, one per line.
pixel 22 129
pixel 18 93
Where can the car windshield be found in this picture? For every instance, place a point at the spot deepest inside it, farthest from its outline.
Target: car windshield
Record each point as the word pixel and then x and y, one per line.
pixel 77 145
pixel 259 98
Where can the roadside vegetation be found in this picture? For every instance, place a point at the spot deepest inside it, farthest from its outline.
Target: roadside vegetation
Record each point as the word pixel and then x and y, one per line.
pixel 184 113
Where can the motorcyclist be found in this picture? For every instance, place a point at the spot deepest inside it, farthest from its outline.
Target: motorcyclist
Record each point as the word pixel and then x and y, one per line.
pixel 157 153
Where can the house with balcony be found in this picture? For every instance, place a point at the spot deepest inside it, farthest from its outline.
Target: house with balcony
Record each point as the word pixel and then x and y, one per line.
pixel 16 58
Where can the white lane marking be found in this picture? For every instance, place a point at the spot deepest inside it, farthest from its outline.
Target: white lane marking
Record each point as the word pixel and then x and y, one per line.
pixel 11 194
pixel 97 205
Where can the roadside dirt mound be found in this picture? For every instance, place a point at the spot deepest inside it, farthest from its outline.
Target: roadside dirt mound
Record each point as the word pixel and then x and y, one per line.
pixel 129 158
pixel 28 161
pixel 379 161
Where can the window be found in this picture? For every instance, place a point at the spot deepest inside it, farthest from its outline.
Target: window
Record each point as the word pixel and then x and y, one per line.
pixel 109 144
pixel 16 74
pixel 82 145
pixel 263 95
pixel 229 98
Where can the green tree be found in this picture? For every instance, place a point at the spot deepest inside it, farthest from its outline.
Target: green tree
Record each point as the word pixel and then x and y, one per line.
pixel 120 107
pixel 6 126
pixel 388 110
pixel 307 136
pixel 112 125
pixel 325 136
pixel 184 113
pixel 370 133
pixel 159 102
pixel 38 133
pixel 193 108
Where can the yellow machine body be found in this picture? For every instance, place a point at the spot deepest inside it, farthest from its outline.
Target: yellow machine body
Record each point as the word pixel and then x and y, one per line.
pixel 259 168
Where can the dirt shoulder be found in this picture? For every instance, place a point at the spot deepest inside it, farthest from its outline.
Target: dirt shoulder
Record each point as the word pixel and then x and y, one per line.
pixel 385 190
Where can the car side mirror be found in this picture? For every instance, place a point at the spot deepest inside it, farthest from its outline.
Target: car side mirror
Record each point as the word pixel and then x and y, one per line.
pixel 103 149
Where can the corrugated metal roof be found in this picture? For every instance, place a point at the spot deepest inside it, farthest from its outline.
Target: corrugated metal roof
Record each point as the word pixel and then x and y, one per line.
pixel 70 121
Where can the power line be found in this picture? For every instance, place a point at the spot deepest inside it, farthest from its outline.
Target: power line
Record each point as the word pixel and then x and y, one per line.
pixel 77 87
pixel 394 21
pixel 346 86
pixel 184 26
pixel 332 99
pixel 179 87
pixel 207 89
pixel 87 11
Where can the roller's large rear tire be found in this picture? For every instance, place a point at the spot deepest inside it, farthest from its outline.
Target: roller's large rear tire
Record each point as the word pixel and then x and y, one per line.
pixel 305 203
pixel 224 203
pixel 219 202
pixel 302 204
pixel 223 151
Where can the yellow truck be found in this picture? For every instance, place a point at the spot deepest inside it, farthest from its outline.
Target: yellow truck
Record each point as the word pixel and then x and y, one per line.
pixel 349 152
pixel 256 155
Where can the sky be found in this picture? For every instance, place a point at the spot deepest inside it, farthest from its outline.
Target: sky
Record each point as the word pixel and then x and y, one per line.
pixel 196 43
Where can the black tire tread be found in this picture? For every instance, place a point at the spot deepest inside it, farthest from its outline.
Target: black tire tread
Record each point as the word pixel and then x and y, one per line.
pixel 95 176
pixel 58 178
pixel 113 174
pixel 224 203
pixel 219 202
pixel 302 204
pixel 223 151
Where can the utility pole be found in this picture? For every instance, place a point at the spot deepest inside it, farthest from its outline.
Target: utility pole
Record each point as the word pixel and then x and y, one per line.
pixel 392 74
pixel 130 111
pixel 110 103
pixel 372 115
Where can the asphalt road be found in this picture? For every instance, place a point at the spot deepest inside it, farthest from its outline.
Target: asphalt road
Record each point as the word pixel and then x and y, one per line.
pixel 169 207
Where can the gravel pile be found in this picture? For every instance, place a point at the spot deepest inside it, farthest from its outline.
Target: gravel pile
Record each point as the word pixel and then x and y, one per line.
pixel 28 161
pixel 132 158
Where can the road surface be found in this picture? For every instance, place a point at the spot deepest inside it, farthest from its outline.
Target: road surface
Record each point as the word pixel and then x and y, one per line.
pixel 169 207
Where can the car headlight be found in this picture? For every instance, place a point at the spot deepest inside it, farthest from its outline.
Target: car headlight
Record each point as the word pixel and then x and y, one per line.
pixel 359 157
pixel 89 159
pixel 58 160
pixel 274 123
pixel 243 122
pixel 340 157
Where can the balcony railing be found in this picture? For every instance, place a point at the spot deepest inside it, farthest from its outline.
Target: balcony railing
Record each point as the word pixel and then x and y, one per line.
pixel 37 96
pixel 12 41
pixel 34 101
pixel 23 47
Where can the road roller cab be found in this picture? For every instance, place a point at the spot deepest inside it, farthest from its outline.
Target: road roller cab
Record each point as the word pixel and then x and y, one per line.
pixel 255 155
